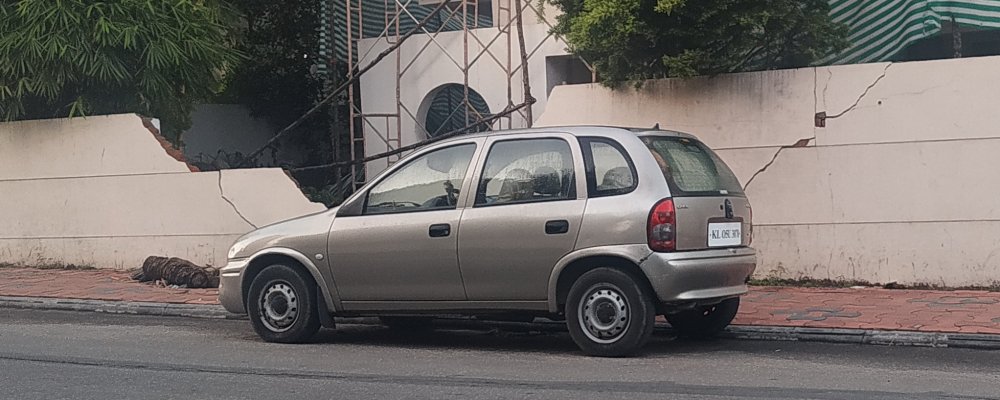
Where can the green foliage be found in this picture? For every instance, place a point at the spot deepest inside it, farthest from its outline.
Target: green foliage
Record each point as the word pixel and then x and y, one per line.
pixel 73 57
pixel 633 40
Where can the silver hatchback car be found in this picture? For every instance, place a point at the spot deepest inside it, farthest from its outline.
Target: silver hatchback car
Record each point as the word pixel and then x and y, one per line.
pixel 603 227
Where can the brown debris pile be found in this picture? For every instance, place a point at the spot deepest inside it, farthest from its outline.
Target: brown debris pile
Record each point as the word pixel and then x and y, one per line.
pixel 178 272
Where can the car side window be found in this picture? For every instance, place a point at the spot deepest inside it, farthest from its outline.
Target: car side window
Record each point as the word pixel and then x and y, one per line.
pixel 429 182
pixel 609 170
pixel 525 171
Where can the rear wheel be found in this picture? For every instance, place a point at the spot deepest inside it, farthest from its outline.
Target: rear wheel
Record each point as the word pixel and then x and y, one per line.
pixel 282 305
pixel 609 313
pixel 704 322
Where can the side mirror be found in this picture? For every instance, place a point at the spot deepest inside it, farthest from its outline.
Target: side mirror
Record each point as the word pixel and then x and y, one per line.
pixel 353 207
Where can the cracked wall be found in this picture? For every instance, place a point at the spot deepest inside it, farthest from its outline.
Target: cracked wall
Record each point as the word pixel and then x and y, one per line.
pixel 896 183
pixel 102 191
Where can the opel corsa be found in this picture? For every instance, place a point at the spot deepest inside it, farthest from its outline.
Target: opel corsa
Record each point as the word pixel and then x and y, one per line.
pixel 602 227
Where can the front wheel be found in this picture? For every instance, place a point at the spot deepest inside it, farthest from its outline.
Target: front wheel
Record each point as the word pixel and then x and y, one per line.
pixel 282 305
pixel 609 313
pixel 705 322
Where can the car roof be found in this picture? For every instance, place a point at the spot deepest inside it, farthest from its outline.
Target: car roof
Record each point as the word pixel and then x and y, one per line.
pixel 580 130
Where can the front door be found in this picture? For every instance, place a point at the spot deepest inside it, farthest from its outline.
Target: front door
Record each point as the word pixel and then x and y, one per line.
pixel 404 245
pixel 524 218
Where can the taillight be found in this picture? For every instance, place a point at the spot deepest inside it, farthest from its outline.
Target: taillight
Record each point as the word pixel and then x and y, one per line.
pixel 750 223
pixel 661 229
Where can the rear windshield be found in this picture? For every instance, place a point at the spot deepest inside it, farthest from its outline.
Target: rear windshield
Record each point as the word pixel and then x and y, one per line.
pixel 691 168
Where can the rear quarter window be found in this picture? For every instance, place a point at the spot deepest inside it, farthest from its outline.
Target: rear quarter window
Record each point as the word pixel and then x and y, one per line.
pixel 610 171
pixel 691 168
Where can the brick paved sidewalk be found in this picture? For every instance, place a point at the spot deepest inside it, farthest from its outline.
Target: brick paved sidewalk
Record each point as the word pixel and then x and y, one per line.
pixel 960 311
pixel 868 308
pixel 105 285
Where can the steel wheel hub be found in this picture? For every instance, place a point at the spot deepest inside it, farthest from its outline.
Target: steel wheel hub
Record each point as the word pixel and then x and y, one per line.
pixel 280 307
pixel 604 315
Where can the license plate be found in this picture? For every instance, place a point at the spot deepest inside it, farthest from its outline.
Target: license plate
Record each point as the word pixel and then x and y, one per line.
pixel 724 234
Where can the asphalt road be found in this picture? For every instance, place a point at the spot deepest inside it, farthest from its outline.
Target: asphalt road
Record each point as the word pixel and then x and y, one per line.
pixel 66 355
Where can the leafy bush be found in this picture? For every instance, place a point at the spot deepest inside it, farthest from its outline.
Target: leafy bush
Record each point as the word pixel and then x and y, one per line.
pixel 633 40
pixel 75 57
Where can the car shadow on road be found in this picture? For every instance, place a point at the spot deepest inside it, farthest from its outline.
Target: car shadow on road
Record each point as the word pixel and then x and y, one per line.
pixel 493 339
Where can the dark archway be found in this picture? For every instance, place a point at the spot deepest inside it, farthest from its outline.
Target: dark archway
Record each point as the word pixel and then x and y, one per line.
pixel 444 110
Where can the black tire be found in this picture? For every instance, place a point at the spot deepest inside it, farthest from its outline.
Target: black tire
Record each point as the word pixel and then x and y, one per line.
pixel 289 293
pixel 413 325
pixel 705 322
pixel 607 295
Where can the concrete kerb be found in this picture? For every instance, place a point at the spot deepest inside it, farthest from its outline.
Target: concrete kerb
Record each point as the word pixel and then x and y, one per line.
pixel 120 307
pixel 742 332
pixel 865 336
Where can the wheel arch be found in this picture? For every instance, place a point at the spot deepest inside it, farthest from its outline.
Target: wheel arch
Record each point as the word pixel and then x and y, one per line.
pixel 574 265
pixel 293 259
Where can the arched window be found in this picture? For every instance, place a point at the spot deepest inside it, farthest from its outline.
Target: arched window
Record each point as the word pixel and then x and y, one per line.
pixel 444 110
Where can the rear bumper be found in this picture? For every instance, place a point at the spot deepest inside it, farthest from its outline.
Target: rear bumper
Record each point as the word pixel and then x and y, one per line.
pixel 700 277
pixel 231 286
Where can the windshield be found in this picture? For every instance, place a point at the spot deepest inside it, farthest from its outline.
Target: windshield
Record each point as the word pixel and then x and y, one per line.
pixel 691 168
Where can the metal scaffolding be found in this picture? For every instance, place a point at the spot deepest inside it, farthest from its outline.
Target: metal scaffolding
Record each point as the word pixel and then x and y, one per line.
pixel 398 17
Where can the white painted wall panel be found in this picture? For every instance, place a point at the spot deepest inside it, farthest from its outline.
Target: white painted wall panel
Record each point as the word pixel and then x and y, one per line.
pixel 101 191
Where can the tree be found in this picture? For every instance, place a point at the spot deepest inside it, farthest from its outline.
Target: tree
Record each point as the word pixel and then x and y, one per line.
pixel 633 40
pixel 76 57
pixel 281 38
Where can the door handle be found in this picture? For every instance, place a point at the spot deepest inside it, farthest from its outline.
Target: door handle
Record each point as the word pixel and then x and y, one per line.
pixel 556 227
pixel 439 230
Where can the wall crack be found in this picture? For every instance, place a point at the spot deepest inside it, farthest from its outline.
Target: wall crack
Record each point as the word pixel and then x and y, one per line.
pixel 222 194
pixel 800 143
pixel 861 97
pixel 826 86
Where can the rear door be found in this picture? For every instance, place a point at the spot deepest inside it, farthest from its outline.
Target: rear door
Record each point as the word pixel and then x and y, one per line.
pixel 712 210
pixel 524 217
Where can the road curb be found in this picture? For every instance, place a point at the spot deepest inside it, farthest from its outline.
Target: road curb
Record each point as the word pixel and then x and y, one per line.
pixel 742 332
pixel 212 311
pixel 797 334
pixel 865 336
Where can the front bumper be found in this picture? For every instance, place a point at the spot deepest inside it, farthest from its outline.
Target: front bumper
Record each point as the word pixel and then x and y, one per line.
pixel 231 286
pixel 700 277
